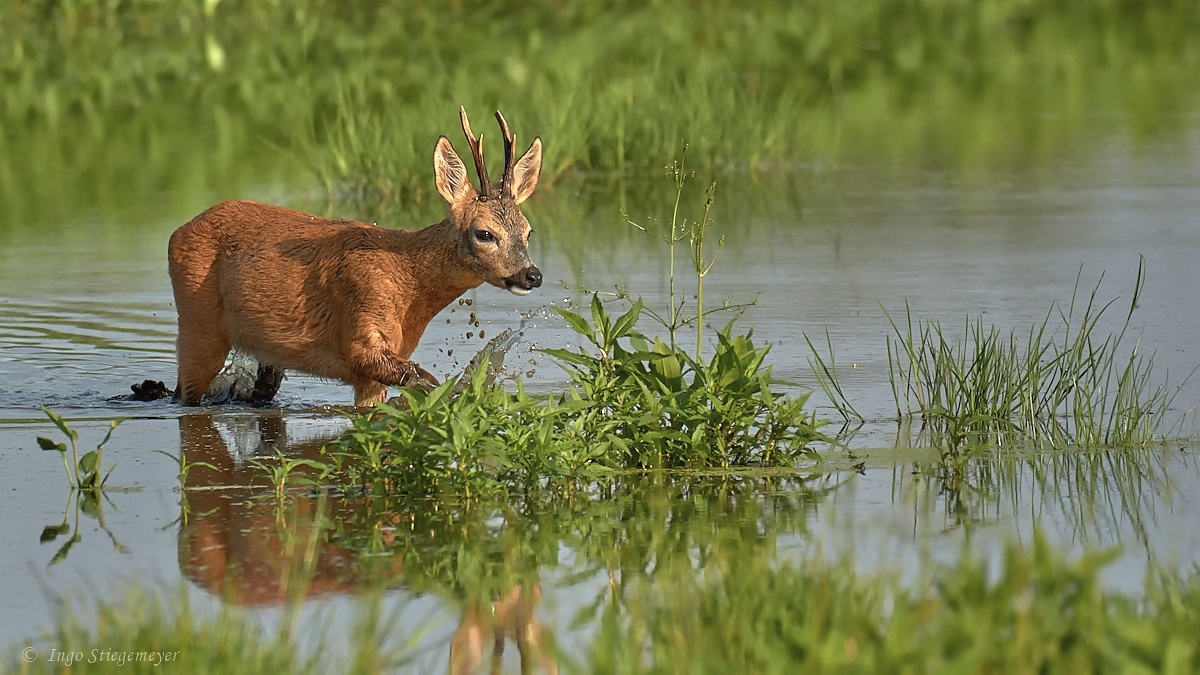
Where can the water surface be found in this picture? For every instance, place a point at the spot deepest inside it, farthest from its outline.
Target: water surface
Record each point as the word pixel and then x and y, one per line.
pixel 86 310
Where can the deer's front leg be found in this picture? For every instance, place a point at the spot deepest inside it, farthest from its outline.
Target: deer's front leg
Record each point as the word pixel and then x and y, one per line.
pixel 377 365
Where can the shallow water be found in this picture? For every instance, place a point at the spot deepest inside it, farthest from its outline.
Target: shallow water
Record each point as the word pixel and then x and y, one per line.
pixel 86 310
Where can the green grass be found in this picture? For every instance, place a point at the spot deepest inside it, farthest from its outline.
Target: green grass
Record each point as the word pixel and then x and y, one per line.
pixel 1064 381
pixel 1032 610
pixel 351 95
pixel 963 85
pixel 631 405
pixel 143 631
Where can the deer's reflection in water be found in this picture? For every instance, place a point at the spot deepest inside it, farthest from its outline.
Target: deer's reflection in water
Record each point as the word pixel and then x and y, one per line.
pixel 240 542
pixel 508 617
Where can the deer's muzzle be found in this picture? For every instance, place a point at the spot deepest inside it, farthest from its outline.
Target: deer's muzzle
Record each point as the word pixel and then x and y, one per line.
pixel 524 281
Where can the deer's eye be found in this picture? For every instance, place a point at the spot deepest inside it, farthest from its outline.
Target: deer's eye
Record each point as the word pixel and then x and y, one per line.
pixel 484 235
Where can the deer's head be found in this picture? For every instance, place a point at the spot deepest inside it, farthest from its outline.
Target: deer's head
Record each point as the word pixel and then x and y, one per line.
pixel 493 234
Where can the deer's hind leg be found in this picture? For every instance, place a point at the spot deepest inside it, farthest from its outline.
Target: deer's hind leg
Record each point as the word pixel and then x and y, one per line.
pixel 203 343
pixel 201 356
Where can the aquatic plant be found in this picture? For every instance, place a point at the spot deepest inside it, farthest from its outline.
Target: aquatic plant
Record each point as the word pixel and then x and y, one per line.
pixel 147 630
pixel 87 486
pixel 659 407
pixel 679 229
pixel 1033 611
pixel 632 406
pixel 86 468
pixel 1062 382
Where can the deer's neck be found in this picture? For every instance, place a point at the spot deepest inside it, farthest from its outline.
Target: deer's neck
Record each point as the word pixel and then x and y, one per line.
pixel 436 272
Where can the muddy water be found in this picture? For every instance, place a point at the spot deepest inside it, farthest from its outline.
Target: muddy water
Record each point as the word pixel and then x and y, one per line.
pixel 85 310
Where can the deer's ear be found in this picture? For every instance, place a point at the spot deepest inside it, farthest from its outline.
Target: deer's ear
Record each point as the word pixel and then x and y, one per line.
pixel 526 171
pixel 450 174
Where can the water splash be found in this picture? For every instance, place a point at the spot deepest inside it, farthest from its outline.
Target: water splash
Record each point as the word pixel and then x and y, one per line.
pixel 494 351
pixel 498 348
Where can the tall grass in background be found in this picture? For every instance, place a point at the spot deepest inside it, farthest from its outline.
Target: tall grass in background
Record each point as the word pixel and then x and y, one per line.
pixel 353 93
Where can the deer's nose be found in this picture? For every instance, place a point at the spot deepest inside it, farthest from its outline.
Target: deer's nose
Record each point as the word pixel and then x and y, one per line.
pixel 524 281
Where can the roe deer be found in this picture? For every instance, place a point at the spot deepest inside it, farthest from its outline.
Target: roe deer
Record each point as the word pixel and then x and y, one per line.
pixel 341 299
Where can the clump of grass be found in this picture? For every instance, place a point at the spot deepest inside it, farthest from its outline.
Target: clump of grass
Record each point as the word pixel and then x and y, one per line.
pixel 634 405
pixel 1061 383
pixel 144 631
pixel 1037 613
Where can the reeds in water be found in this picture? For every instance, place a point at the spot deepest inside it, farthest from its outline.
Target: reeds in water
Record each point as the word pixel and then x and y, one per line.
pixel 1063 382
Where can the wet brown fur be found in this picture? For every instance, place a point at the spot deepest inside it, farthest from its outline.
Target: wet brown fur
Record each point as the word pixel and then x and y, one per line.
pixel 336 298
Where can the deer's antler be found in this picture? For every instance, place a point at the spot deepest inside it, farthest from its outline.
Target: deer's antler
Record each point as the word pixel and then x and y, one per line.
pixel 510 140
pixel 477 152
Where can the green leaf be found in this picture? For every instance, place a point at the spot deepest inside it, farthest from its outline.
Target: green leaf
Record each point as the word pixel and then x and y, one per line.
pixel 111 426
pixel 626 321
pixel 600 318
pixel 479 377
pixel 576 322
pixel 51 532
pixel 668 367
pixel 439 395
pixel 569 356
pixel 47 444
pixel 87 463
pixel 60 423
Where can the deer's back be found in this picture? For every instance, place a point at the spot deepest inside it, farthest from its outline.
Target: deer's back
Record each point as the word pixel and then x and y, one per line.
pixel 284 281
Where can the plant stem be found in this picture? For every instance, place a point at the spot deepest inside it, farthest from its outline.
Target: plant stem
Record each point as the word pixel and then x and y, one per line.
pixel 700 267
pixel 680 179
